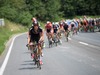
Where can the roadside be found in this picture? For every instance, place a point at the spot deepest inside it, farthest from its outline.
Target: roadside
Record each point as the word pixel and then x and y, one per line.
pixel 2 56
pixel 7 31
pixel 7 45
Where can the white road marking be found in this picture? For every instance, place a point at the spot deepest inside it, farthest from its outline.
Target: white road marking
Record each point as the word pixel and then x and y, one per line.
pixel 63 47
pixel 83 43
pixel 69 38
pixel 98 32
pixel 8 55
pixel 89 45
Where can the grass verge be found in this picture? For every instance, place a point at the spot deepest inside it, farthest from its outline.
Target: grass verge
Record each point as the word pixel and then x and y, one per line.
pixel 7 31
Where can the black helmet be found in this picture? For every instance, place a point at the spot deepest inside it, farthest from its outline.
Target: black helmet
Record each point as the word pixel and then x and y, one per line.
pixel 35 23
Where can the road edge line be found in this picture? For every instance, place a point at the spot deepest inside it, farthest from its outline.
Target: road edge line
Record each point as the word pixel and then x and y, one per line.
pixel 3 66
pixel 83 43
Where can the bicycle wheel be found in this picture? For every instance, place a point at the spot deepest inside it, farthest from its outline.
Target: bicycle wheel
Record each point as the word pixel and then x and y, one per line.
pixel 50 43
pixel 34 61
pixel 38 63
pixel 66 38
pixel 56 43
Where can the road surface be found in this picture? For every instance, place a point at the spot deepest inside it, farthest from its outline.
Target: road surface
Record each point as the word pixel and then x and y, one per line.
pixel 79 56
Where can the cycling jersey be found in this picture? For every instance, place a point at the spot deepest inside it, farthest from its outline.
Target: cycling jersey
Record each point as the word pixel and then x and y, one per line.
pixel 55 28
pixel 61 25
pixel 93 23
pixel 65 26
pixel 35 36
pixel 85 22
pixel 48 28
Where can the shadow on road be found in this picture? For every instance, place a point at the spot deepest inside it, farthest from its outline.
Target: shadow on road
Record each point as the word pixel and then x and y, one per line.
pixel 28 61
pixel 26 65
pixel 28 68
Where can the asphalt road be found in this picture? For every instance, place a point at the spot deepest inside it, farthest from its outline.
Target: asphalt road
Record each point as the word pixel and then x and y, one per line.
pixel 79 56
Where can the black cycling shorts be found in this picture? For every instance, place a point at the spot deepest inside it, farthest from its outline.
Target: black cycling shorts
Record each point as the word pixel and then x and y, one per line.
pixel 48 30
pixel 35 40
pixel 55 30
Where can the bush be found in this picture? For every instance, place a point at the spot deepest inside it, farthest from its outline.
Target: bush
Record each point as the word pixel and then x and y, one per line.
pixel 24 18
pixel 8 12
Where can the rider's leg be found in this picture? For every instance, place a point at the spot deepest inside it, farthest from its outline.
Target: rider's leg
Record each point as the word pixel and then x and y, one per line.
pixel 47 34
pixel 40 53
pixel 31 49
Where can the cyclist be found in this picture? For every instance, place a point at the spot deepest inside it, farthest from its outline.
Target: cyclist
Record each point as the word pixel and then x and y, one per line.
pixel 65 26
pixel 76 23
pixel 55 28
pixel 85 22
pixel 36 35
pixel 56 31
pixel 49 30
pixel 61 28
pixel 72 27
pixel 81 25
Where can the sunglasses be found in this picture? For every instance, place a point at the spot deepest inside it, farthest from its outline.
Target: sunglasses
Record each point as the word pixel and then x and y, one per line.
pixel 35 25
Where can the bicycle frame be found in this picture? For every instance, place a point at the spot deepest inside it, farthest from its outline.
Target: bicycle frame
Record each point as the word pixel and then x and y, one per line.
pixel 36 56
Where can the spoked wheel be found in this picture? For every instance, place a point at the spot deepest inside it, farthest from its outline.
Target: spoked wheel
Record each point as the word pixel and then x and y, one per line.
pixel 50 43
pixel 38 64
pixel 55 42
pixel 67 37
pixel 35 61
pixel 55 39
pixel 59 42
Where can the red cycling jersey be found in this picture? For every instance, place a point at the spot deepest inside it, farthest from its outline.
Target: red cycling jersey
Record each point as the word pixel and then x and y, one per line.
pixel 48 26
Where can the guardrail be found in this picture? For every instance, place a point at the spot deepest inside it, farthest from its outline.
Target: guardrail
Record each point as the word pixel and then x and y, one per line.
pixel 2 23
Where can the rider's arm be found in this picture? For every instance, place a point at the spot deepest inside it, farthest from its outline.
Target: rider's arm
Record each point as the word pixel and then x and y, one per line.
pixel 28 37
pixel 41 36
pixel 52 30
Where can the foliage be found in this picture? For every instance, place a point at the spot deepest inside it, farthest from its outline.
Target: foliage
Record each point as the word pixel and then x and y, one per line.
pixel 21 11
pixel 24 18
pixel 7 31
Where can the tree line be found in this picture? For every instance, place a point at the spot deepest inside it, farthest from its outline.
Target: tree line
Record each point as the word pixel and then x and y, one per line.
pixel 21 11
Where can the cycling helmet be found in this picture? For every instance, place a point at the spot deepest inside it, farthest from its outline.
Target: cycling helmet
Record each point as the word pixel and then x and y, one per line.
pixel 34 19
pixel 35 23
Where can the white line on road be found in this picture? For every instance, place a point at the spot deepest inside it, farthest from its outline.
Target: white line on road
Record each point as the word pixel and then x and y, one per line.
pixel 89 45
pixel 7 56
pixel 83 43
pixel 69 38
pixel 63 47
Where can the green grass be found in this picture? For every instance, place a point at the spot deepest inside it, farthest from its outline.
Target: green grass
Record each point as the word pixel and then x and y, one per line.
pixel 7 31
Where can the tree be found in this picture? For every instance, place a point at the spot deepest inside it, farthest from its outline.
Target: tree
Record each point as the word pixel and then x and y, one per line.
pixel 8 12
pixel 67 6
pixel 52 7
pixel 21 11
pixel 24 18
